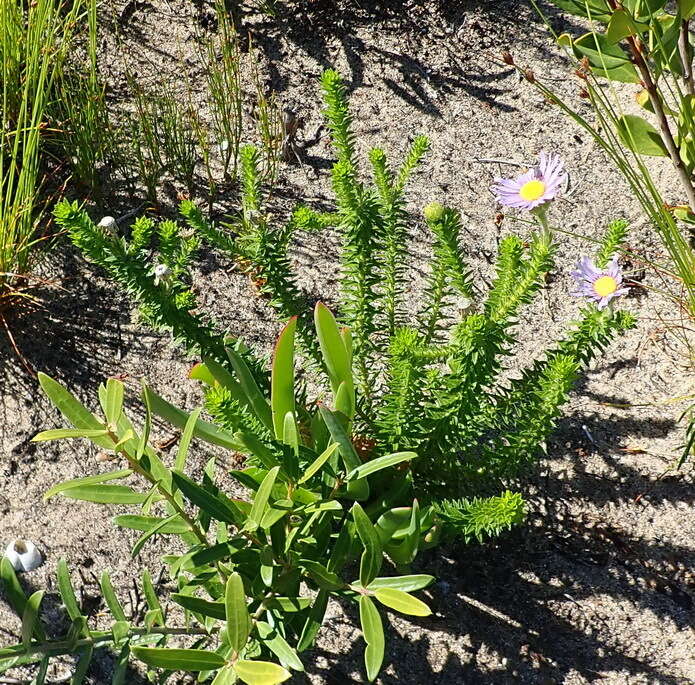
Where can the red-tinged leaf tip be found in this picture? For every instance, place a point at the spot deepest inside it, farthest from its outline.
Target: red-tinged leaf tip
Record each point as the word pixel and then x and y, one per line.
pixel 193 368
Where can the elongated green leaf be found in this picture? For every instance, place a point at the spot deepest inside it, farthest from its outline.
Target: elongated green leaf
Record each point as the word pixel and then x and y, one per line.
pixel 335 356
pixel 314 621
pixel 185 441
pixel 255 397
pixel 373 632
pixel 84 658
pixel 373 554
pixel 105 494
pixel 288 604
pixel 87 480
pixel 236 613
pixel 380 463
pixel 214 506
pixel 60 433
pixel 290 432
pixel 201 372
pixel 178 659
pixel 201 606
pixel 12 590
pixel 325 579
pixel 72 409
pixel 260 501
pixel 66 592
pixel 30 617
pixel 405 583
pixel 282 378
pixel 121 667
pixel 278 646
pixel 402 602
pixel 114 400
pixel 110 597
pixel 226 676
pixel 359 488
pixel 177 417
pixel 261 672
pixel 640 136
pixel 316 465
pixel 153 530
pixel 136 522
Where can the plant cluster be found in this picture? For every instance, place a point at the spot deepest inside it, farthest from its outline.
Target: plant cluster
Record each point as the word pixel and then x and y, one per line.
pixel 413 436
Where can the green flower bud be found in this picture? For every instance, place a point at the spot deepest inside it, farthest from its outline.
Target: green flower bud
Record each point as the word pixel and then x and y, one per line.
pixel 434 211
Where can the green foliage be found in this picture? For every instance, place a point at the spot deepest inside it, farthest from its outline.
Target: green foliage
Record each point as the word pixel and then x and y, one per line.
pixel 413 428
pixel 650 43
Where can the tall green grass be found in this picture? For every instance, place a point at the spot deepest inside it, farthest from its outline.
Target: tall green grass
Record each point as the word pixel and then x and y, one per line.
pixel 35 42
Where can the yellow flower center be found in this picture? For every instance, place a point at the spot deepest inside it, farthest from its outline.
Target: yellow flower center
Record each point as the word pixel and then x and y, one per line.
pixel 532 190
pixel 605 286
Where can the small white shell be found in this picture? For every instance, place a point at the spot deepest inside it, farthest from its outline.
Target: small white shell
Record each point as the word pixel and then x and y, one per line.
pixel 23 555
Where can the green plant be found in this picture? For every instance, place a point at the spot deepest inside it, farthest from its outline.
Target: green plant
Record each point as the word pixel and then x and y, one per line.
pixel 421 428
pixel 646 42
pixel 35 41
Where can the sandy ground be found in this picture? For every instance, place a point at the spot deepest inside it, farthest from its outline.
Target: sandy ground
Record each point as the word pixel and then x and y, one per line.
pixel 598 586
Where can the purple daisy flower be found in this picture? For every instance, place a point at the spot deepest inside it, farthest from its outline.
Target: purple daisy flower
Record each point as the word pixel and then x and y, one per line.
pixel 534 188
pixel 600 285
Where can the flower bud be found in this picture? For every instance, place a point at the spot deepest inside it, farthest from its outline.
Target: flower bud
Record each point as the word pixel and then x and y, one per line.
pixel 434 211
pixel 23 555
pixel 108 223
pixel 507 58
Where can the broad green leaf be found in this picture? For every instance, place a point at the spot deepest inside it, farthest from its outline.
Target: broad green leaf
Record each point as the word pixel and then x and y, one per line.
pixel 177 417
pixel 335 356
pixel 405 583
pixel 136 522
pixel 72 409
pixel 402 602
pixel 110 597
pixel 185 441
pixel 686 8
pixel 393 524
pixel 405 551
pixel 105 494
pixel 373 632
pixel 67 594
pixel 261 672
pixel 260 501
pixel 282 378
pixel 201 372
pixel 258 403
pixel 344 399
pixel 30 617
pixel 640 136
pixel 214 506
pixel 372 557
pixel 179 659
pixel 113 405
pixel 316 465
pixel 380 463
pixel 14 594
pixel 200 606
pixel 225 676
pixel 60 433
pixel 607 60
pixel 278 646
pixel 236 613
pixel 314 621
pixel 87 480
pixel 622 25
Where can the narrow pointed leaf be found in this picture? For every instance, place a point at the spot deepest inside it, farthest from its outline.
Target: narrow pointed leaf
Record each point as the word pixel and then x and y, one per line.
pixel 61 433
pixel 255 397
pixel 405 583
pixel 105 494
pixel 278 646
pixel 316 465
pixel 179 659
pixel 30 617
pixel 236 613
pixel 260 501
pixel 282 378
pixel 87 480
pixel 205 500
pixel 380 463
pixel 66 592
pixel 185 441
pixel 110 597
pixel 201 606
pixel 372 557
pixel 114 400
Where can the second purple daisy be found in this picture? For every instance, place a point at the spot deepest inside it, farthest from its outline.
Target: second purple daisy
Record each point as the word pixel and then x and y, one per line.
pixel 600 285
